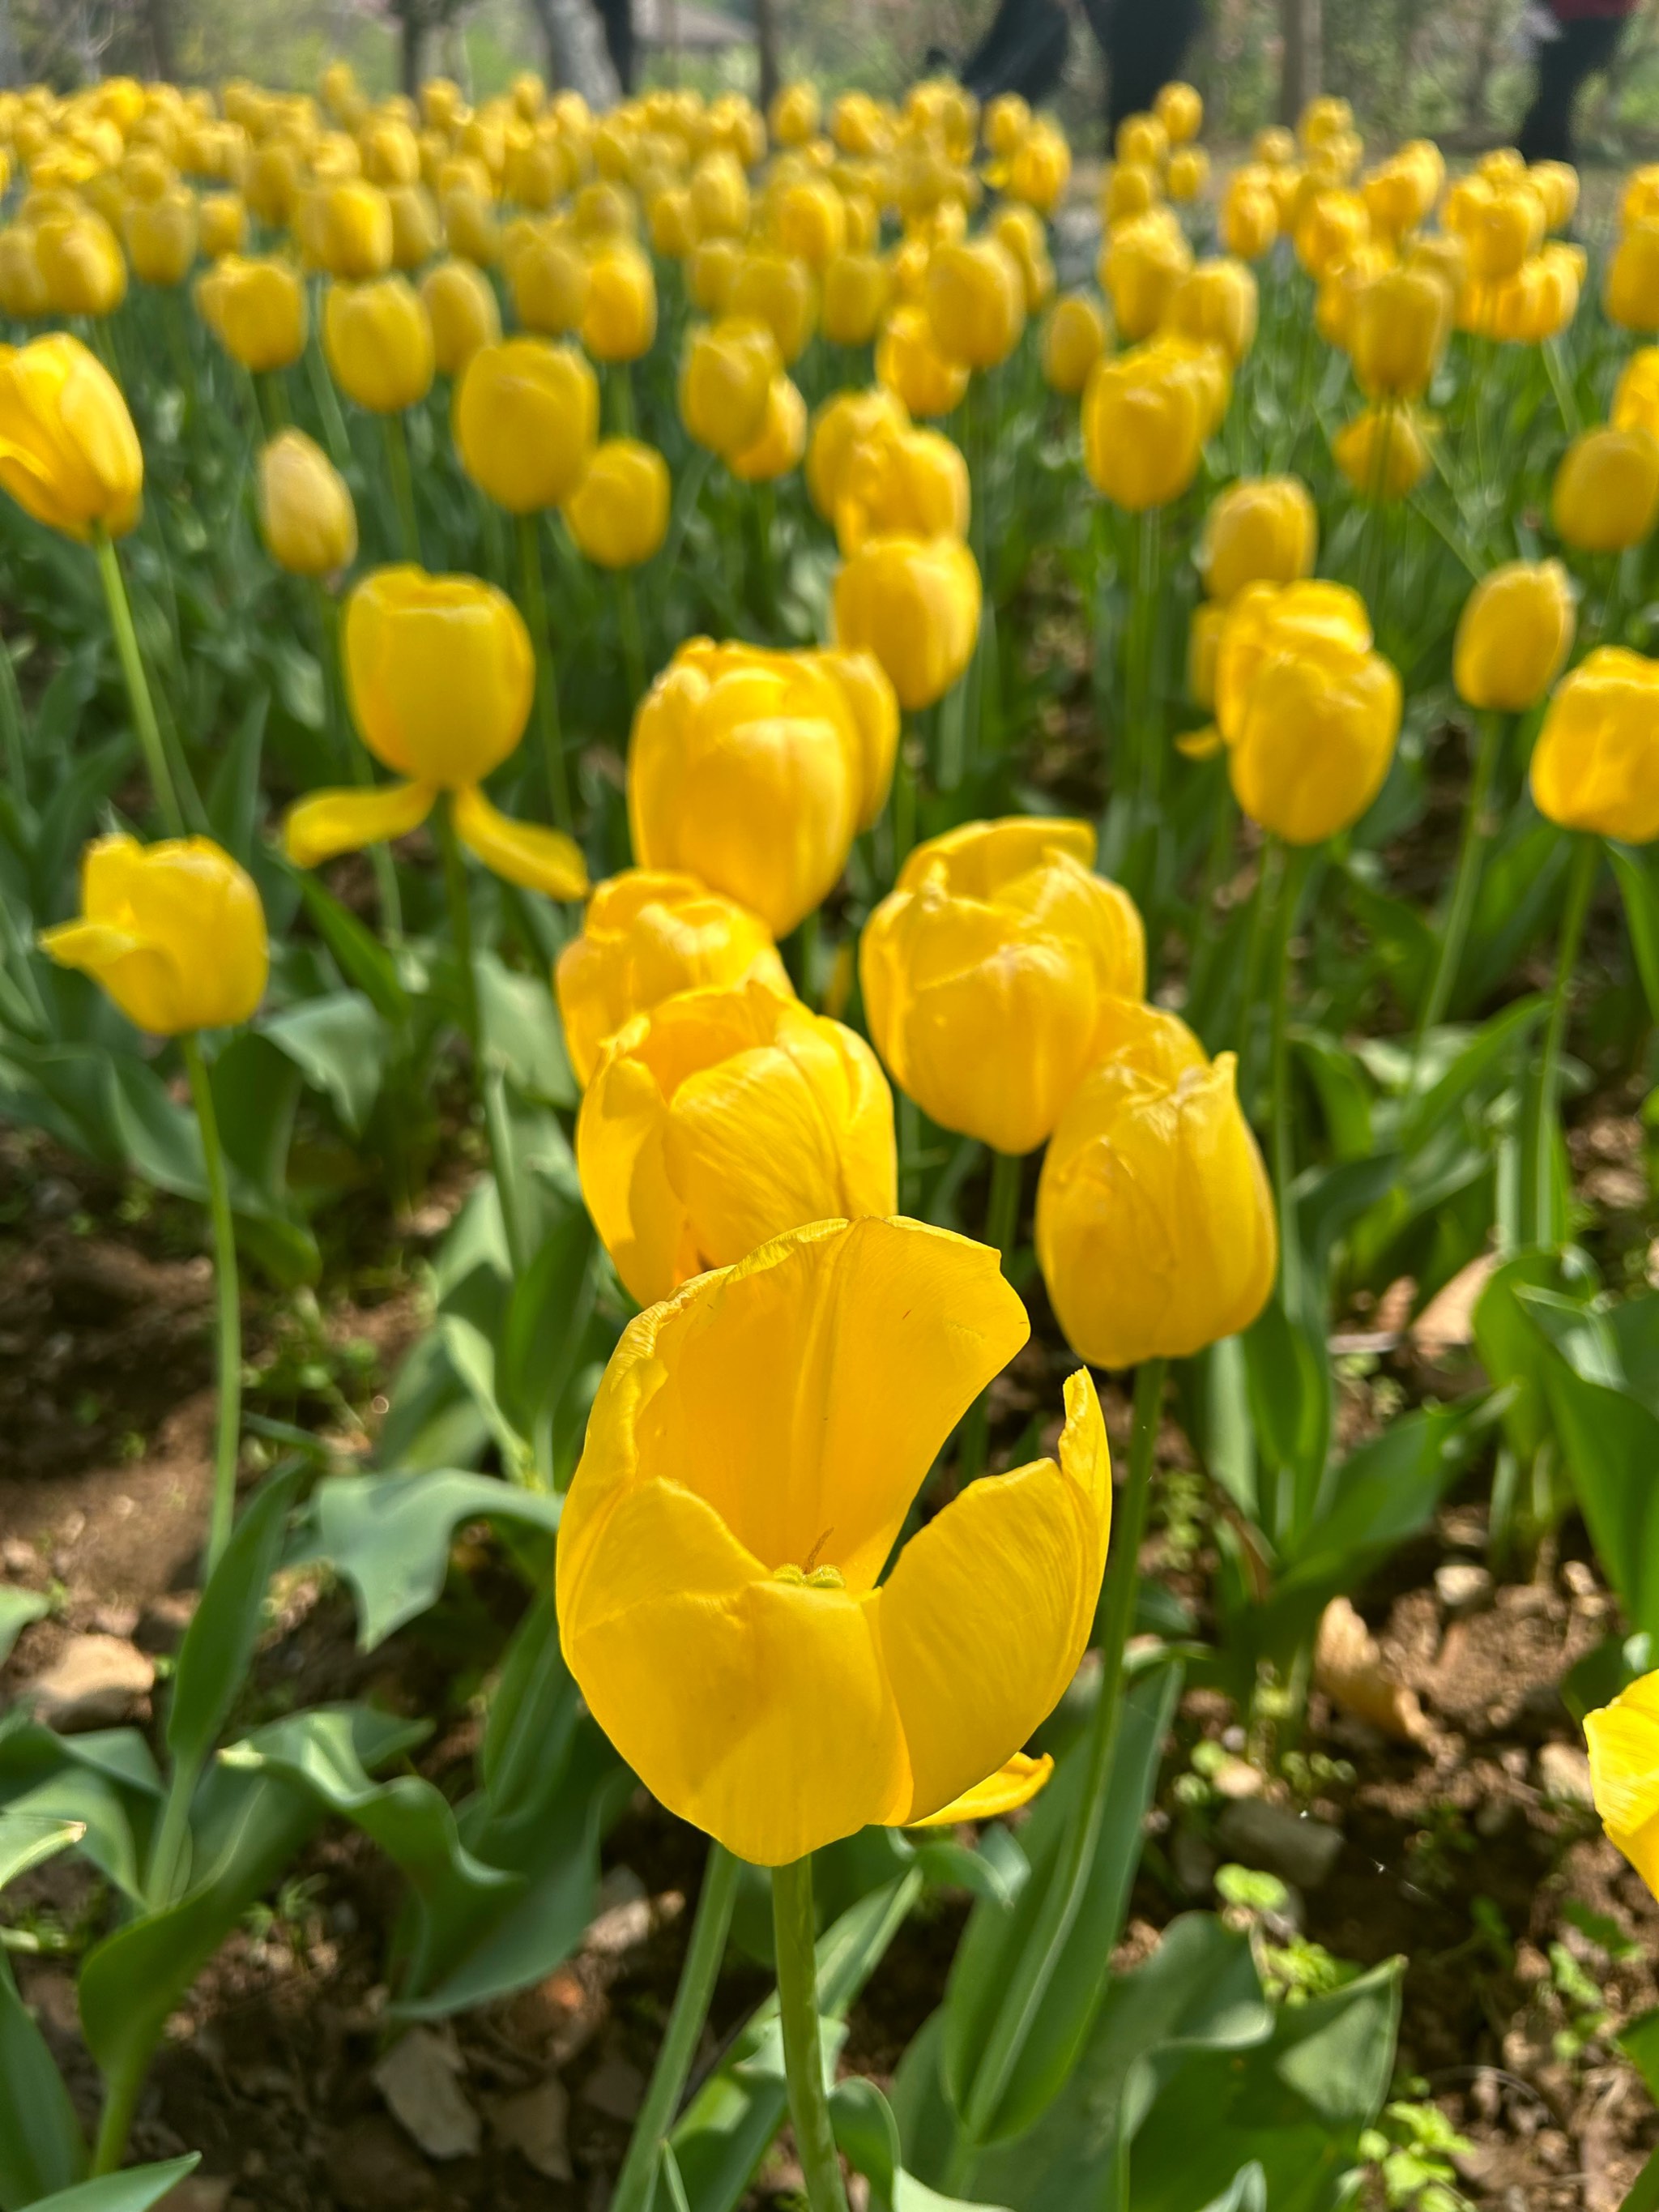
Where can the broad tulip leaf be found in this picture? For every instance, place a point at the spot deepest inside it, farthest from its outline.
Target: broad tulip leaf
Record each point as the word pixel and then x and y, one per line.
pixel 389 1536
pixel 136 2190
pixel 522 1032
pixel 867 2132
pixel 233 797
pixel 339 1044
pixel 213 1658
pixel 27 1838
pixel 41 2146
pixel 1641 898
pixel 358 953
pixel 18 1608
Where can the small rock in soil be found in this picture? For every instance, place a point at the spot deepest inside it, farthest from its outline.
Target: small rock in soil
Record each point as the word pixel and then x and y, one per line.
pixel 372 2169
pixel 95 1681
pixel 1564 1774
pixel 201 2193
pixel 1238 1778
pixel 535 2125
pixel 615 2088
pixel 1299 1850
pixel 420 2080
pixel 18 1558
pixel 1194 1861
pixel 1462 1587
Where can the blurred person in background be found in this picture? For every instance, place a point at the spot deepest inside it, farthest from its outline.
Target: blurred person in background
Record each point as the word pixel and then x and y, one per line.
pixel 1571 39
pixel 1023 51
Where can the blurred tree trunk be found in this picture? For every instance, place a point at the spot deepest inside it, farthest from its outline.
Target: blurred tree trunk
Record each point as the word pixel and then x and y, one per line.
pixel 1483 60
pixel 11 59
pixel 766 37
pixel 411 26
pixel 158 21
pixel 577 58
pixel 1301 22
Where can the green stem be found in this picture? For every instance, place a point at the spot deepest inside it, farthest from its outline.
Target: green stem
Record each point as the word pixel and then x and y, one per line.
pixel 1644 2190
pixel 351 754
pixel 1290 892
pixel 534 594
pixel 1465 884
pixel 621 381
pixel 138 694
pixel 633 639
pixel 11 725
pixel 402 486
pixel 803 2048
pixel 1001 1227
pixel 168 1863
pixel 327 400
pixel 903 799
pixel 1539 1155
pixel 121 2091
pixel 273 401
pixel 634 2184
pixel 1255 952
pixel 229 1435
pixel 1063 1899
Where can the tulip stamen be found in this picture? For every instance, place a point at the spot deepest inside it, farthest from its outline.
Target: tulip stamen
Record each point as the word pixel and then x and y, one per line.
pixel 811 1578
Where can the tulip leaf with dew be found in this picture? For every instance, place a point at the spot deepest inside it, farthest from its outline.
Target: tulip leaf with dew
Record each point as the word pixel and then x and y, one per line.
pixel 42 2148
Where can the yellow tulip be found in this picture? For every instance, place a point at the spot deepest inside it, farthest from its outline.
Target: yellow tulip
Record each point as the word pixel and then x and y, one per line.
pixel 1500 221
pixel 222 218
pixel 1259 530
pixel 1147 414
pixel 160 236
pixel 619 315
pixel 725 379
pixel 275 178
pixel 987 970
pixel 378 338
pixel 352 231
pixel 846 421
pixel 619 513
pixel 1398 331
pixel 1596 765
pixel 1623 1757
pixel 1273 146
pixel 1309 712
pixel 792 118
pixel 1143 138
pixel 1021 233
pixel 726 1627
pixel 914 603
pixel 1074 337
pixel 975 302
pixel 22 288
pixel 1005 121
pixel 1636 397
pixel 549 278
pixel 1249 216
pixel 1215 304
pixel 471 229
pixel 1126 189
pixel 174 933
pixel 1606 494
pixel 1640 200
pixel 1383 452
pixel 1513 635
pixel 721 1118
pixel 1203 655
pixel 1188 173
pixel 460 306
pixel 909 363
pixel 1631 292
pixel 811 221
pixel 719 196
pixel 80 258
pixel 776 289
pixel 69 454
pixel 1180 109
pixel 525 420
pixel 1041 167
pixel 391 152
pixel 856 290
pixel 306 515
pixel 256 310
pixel 903 482
pixel 1155 1228
pixel 783 439
pixel 646 936
pixel 1556 183
pixel 711 273
pixel 1141 262
pixel 418 233
pixel 754 771
pixel 1330 225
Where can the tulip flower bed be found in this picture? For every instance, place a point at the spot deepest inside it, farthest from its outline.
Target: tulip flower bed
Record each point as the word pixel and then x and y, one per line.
pixel 828 1283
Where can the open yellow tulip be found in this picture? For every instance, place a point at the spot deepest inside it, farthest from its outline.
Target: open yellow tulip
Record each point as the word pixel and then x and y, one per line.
pixel 751 1456
pixel 1624 1756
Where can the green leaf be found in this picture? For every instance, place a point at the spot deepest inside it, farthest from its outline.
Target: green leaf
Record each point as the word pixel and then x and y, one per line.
pixel 1506 1338
pixel 389 1536
pixel 547 1317
pixel 1641 896
pixel 1489 1053
pixel 41 2146
pixel 213 1658
pixel 233 797
pixel 867 2132
pixel 1290 1384
pixel 18 1608
pixel 522 1032
pixel 26 1838
pixel 339 1044
pixel 1639 2041
pixel 358 953
pixel 134 2191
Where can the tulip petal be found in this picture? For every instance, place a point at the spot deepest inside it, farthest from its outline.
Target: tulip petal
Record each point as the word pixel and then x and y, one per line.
pixel 809 1388
pixel 754 1707
pixel 640 1218
pixel 1015 1782
pixel 1624 1755
pixel 523 853
pixel 140 977
pixel 1200 744
pixel 983 1620
pixel 331 821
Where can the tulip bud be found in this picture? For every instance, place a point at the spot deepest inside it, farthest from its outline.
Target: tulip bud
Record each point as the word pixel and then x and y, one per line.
pixel 81 259
pixel 417 231
pixel 1383 452
pixel 902 483
pixel 306 515
pixel 351 234
pixel 1398 331
pixel 1142 138
pixel 985 971
pixel 776 289
pixel 719 1120
pixel 22 288
pixel 975 302
pixel 222 218
pixel 69 454
pixel 754 771
pixel 719 197
pixel 460 306
pixel 1180 109
pixel 673 224
pixel 619 316
pixel 1596 765
pixel 1500 221
pixel 1142 262
pixel 1632 294
pixel 1126 189
pixel 1635 397
pixel 1215 304
pixel 783 439
pixel 619 513
pixel 256 310
pixel 440 673
pixel 725 381
pixel 525 419
pixel 174 933
pixel 856 290
pixel 914 603
pixel 1188 175
pixel 1074 337
pixel 646 937
pixel 1556 183
pixel 1249 216
pixel 1330 225
pixel 910 365
pixel 378 338
pixel 471 230
pixel 160 236
pixel 1513 635
pixel 1145 418
pixel 1606 489
pixel 1259 530
pixel 1155 1228
pixel 842 424
pixel 810 221
pixel 792 117
pixel 549 278
pixel 712 272
pixel 1624 1762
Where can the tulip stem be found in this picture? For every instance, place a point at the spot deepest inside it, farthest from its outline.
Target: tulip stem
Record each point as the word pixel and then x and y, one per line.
pixel 228 1434
pixel 327 401
pixel 903 799
pixel 402 486
pixel 1001 1228
pixel 1063 1898
pixel 138 694
pixel 1644 2190
pixel 1465 884
pixel 534 592
pixel 620 379
pixel 633 639
pixel 1538 1153
pixel 795 1941
pixel 121 2090
pixel 1291 876
pixel 636 2183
